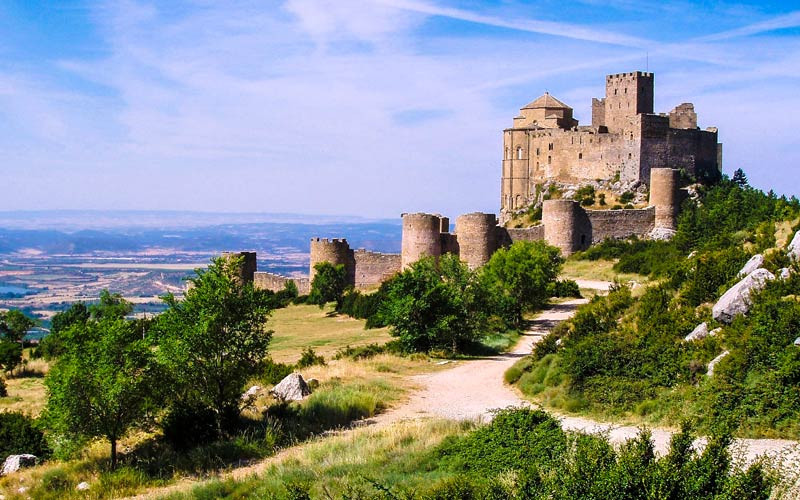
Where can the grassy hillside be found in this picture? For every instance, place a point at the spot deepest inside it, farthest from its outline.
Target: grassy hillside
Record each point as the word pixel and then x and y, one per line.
pixel 624 355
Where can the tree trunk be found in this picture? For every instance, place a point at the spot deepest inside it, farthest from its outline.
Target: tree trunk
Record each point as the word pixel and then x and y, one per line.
pixel 113 454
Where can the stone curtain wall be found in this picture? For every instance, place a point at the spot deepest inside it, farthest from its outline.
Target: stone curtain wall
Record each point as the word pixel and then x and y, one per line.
pixel 275 282
pixel 620 224
pixel 373 268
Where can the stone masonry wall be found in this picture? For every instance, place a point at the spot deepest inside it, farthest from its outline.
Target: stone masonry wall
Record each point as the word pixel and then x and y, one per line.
pixel 275 282
pixel 373 268
pixel 620 223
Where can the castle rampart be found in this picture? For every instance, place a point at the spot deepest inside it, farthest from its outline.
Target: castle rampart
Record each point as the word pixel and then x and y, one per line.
pixel 565 225
pixel 335 251
pixel 275 282
pixel 373 268
pixel 477 238
pixel 247 265
pixel 665 196
pixel 422 237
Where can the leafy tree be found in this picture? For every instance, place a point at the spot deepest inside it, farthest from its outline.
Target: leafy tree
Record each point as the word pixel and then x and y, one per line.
pixel 110 305
pixel 739 178
pixel 521 275
pixel 104 383
pixel 329 284
pixel 52 346
pixel 14 324
pixel 430 306
pixel 10 355
pixel 215 339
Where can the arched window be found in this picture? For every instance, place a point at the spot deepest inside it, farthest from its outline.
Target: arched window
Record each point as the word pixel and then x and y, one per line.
pixel 549 159
pixel 519 153
pixel 629 156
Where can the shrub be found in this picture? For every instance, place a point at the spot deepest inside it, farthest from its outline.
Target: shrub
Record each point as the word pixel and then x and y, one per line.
pixel 3 388
pixel 367 351
pixel 300 299
pixel 188 425
pixel 565 288
pixel 309 358
pixel 273 372
pixel 19 434
pixel 339 405
pixel 626 197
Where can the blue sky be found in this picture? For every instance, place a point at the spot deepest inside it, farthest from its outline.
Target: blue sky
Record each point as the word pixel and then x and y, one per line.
pixel 358 106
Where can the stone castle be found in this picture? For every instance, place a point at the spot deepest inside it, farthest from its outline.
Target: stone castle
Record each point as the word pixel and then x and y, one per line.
pixel 625 142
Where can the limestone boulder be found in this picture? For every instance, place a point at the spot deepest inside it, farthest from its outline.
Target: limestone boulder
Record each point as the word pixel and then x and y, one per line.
pixel 715 332
pixel 16 462
pixel 714 362
pixel 794 247
pixel 700 332
pixel 291 388
pixel 755 262
pixel 661 234
pixel 82 486
pixel 784 273
pixel 737 299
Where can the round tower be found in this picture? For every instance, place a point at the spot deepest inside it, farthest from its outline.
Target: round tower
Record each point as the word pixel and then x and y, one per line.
pixel 421 237
pixel 664 196
pixel 563 226
pixel 477 238
pixel 336 251
pixel 246 267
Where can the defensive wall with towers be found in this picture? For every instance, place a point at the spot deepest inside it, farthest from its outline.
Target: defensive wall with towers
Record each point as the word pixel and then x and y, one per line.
pixel 627 143
pixel 476 236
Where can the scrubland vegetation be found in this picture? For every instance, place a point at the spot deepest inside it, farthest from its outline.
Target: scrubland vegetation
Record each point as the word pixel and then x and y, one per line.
pixel 625 357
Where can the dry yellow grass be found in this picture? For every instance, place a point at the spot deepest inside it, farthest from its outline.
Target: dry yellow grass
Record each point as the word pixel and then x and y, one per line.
pixel 598 270
pixel 298 327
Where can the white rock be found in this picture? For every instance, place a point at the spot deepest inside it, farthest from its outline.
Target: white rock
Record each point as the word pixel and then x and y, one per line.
pixel 16 462
pixel 700 332
pixel 251 392
pixel 691 254
pixel 737 299
pixel 22 489
pixel 794 247
pixel 291 388
pixel 715 332
pixel 784 273
pixel 713 363
pixel 82 486
pixel 661 234
pixel 755 262
pixel 559 342
pixel 797 341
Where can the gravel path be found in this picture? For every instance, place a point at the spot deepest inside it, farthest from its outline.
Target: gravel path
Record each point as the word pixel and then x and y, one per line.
pixel 472 389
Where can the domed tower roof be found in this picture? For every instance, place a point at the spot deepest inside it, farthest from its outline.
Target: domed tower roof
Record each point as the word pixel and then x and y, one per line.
pixel 547 102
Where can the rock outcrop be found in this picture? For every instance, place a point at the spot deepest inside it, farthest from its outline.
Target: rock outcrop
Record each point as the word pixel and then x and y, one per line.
pixel 784 273
pixel 700 332
pixel 755 262
pixel 713 363
pixel 794 247
pixel 16 462
pixel 737 299
pixel 661 234
pixel 291 388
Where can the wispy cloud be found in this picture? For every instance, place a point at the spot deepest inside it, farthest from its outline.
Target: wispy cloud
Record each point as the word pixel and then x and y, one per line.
pixel 345 106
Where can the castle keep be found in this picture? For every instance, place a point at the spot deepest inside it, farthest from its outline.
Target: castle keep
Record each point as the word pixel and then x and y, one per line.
pixel 625 141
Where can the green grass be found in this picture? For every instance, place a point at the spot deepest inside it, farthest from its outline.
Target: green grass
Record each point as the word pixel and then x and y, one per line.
pixel 299 326
pixel 598 270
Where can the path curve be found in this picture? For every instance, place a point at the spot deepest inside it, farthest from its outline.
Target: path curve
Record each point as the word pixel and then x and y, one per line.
pixel 472 389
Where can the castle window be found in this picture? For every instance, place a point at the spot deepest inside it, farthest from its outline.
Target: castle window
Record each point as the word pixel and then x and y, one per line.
pixel 631 135
pixel 537 165
pixel 549 159
pixel 629 156
pixel 626 90
pixel 615 91
pixel 537 151
pixel 550 146
pixel 519 153
pixel 580 156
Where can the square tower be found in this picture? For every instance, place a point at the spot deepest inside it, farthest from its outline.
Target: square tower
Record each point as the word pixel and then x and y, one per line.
pixel 627 95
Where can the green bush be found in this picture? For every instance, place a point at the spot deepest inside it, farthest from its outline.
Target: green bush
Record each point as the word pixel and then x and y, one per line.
pixel 310 358
pixel 3 388
pixel 368 351
pixel 273 372
pixel 565 288
pixel 19 434
pixel 187 426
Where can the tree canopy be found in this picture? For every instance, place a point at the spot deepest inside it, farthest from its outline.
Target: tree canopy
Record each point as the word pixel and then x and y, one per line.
pixel 328 285
pixel 215 339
